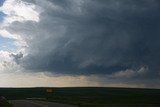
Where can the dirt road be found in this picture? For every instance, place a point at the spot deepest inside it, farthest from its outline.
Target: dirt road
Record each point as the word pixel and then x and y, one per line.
pixel 29 103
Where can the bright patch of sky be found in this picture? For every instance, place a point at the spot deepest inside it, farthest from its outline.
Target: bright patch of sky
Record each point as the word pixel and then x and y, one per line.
pixel 11 11
pixel 7 44
pixel 1 2
pixel 2 15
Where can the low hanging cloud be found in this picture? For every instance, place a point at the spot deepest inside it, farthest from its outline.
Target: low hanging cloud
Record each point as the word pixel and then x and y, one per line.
pixel 85 37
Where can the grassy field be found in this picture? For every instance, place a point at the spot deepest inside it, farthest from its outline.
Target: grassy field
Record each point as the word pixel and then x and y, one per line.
pixel 5 104
pixel 90 97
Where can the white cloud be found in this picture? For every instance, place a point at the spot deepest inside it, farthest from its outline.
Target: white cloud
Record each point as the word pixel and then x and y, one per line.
pixel 17 10
pixel 7 63
pixel 4 33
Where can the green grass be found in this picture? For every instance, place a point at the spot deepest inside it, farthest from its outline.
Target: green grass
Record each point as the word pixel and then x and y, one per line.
pixel 90 97
pixel 5 104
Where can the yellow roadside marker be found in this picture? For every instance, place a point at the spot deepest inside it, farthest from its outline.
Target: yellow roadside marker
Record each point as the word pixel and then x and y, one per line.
pixel 49 90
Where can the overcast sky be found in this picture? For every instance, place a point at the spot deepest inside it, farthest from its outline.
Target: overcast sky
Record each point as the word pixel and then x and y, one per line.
pixel 80 43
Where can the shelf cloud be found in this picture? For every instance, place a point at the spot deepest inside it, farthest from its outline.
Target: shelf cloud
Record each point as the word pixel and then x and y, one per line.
pixel 116 38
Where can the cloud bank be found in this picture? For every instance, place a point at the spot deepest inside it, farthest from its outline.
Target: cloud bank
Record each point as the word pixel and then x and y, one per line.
pixel 119 39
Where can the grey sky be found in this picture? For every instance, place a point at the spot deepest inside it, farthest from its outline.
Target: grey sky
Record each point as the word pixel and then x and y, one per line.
pixel 117 38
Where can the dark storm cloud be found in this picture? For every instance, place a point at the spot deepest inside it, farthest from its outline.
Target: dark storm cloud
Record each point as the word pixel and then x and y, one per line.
pixel 93 37
pixel 17 57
